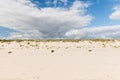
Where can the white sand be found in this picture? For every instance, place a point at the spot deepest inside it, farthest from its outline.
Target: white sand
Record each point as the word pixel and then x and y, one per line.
pixel 84 60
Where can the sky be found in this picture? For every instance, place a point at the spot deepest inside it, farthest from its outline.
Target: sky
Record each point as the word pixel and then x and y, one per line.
pixel 60 19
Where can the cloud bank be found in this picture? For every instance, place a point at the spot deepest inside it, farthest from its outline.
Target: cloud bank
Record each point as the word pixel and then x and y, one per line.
pixel 104 32
pixel 116 14
pixel 49 22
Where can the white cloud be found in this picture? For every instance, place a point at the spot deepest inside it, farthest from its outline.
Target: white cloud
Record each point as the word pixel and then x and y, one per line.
pixel 35 34
pixel 48 22
pixel 116 14
pixel 96 32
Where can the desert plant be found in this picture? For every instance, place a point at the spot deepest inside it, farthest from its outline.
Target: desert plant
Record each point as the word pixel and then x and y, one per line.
pixel 9 52
pixel 103 45
pixel 52 51
pixel 78 47
pixel 90 50
pixel 28 43
pixel 66 47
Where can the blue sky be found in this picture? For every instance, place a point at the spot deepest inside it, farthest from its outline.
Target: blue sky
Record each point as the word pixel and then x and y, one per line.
pixel 44 19
pixel 99 9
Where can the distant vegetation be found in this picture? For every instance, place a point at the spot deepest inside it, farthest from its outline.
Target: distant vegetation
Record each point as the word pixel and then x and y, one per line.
pixel 57 40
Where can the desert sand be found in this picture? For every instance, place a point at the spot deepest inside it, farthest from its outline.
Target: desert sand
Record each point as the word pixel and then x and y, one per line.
pixel 59 60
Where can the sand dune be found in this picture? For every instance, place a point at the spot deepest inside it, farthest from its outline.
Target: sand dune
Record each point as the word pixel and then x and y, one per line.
pixel 59 60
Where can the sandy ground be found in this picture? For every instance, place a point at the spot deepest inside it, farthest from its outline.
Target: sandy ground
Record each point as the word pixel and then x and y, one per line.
pixel 84 60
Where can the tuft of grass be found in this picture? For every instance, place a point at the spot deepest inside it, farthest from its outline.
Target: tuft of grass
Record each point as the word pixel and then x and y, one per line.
pixel 103 45
pixel 28 43
pixel 90 42
pixel 66 47
pixel 2 45
pixel 47 48
pixel 9 52
pixel 115 46
pixel 27 47
pixel 52 51
pixel 90 50
pixel 37 45
pixel 21 45
pixel 46 45
pixel 78 47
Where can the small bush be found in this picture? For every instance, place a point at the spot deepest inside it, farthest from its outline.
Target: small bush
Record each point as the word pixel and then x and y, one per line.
pixel 52 51
pixel 9 52
pixel 90 50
